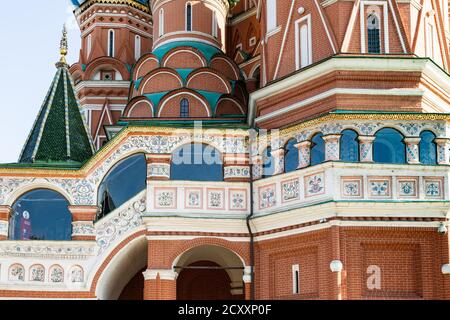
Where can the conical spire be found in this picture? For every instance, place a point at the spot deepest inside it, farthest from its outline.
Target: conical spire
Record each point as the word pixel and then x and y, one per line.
pixel 59 133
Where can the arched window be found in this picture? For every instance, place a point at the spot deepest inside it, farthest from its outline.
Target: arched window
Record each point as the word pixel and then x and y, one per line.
pixel 317 149
pixel 291 156
pixel 196 162
pixel 123 182
pixel 271 12
pixel 41 215
pixel 137 47
pixel 161 22
pixel 111 40
pixel 188 17
pixel 389 147
pixel 184 108
pixel 214 25
pixel 268 163
pixel 349 146
pixel 427 148
pixel 373 33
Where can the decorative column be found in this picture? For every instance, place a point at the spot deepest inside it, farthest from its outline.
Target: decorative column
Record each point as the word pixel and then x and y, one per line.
pixel 278 161
pixel 304 154
pixel 158 166
pixel 332 147
pixel 83 218
pixel 257 167
pixel 412 150
pixel 236 168
pixel 247 278
pixel 443 150
pixel 366 148
pixel 160 284
pixel 5 213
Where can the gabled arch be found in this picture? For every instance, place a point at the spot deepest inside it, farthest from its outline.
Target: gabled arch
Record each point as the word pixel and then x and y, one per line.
pixel 107 62
pixel 160 80
pixel 228 105
pixel 139 107
pixel 169 105
pixel 226 66
pixel 146 64
pixel 184 57
pixel 209 80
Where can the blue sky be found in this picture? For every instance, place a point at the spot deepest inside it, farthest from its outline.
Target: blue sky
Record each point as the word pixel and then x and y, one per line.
pixel 29 51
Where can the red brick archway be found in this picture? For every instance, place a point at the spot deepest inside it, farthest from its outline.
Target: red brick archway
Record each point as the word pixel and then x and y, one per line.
pixel 205 284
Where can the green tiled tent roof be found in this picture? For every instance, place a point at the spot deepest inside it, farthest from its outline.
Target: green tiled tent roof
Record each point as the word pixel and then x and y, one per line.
pixel 59 133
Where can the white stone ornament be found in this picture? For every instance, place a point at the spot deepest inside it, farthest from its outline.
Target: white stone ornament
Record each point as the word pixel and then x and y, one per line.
pixel 336 266
pixel 445 268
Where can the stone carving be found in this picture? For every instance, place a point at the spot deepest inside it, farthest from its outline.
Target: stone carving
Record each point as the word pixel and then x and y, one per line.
pixel 37 273
pixel 16 273
pixel 238 200
pixel 76 274
pixel 315 184
pixel 120 221
pixel 215 199
pixel 267 197
pixel 46 249
pixel 290 190
pixel 8 185
pixel 56 274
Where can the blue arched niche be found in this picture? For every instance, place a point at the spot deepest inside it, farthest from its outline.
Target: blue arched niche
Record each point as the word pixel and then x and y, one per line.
pixel 41 214
pixel 389 147
pixel 124 181
pixel 196 162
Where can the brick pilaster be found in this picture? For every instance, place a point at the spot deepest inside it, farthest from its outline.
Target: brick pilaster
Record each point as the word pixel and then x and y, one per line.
pixel 83 218
pixel 5 213
pixel 160 284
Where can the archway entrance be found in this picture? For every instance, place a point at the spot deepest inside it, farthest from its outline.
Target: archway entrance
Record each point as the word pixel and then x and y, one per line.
pixel 209 273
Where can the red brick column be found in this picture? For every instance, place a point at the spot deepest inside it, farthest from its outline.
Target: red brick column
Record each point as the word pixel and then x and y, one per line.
pixel 160 285
pixel 336 266
pixel 83 222
pixel 445 265
pixel 248 283
pixel 236 168
pixel 158 167
pixel 5 213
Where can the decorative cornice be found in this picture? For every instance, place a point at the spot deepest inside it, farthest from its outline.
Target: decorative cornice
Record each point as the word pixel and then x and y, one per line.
pixel 131 3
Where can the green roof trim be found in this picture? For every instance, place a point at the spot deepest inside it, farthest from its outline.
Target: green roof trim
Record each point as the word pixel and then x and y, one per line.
pixel 59 133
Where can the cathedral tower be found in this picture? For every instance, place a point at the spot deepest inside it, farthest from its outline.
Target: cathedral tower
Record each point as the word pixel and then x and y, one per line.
pixel 185 20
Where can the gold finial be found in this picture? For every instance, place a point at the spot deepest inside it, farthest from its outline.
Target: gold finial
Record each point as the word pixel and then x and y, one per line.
pixel 63 48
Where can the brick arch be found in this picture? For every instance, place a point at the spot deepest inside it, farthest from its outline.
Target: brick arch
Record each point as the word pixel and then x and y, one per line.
pixel 184 57
pixel 208 79
pixel 226 66
pixel 145 65
pixel 239 249
pixel 229 106
pixel 160 80
pixel 240 92
pixel 169 105
pixel 139 107
pixel 108 62
pixel 76 70
pixel 112 268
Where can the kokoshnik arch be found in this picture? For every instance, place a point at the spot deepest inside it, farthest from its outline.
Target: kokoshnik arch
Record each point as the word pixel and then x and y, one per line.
pixel 119 194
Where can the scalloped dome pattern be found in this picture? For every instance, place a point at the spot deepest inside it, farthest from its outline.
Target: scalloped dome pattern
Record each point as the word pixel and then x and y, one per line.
pixel 198 72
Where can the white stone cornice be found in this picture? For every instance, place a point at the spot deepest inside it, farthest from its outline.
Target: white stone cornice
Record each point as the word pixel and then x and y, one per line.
pixel 163 274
